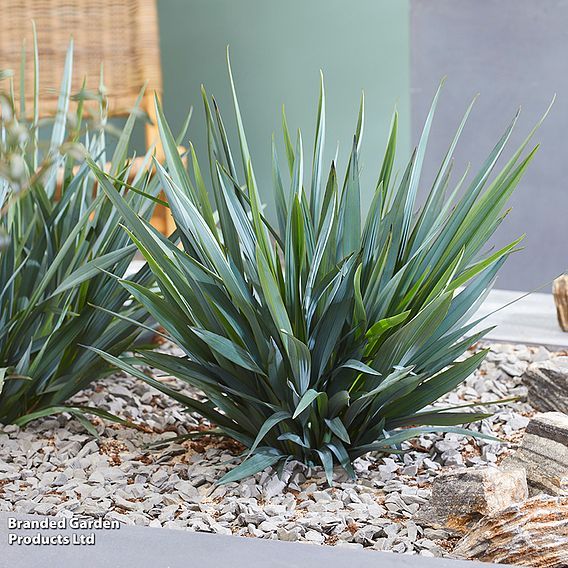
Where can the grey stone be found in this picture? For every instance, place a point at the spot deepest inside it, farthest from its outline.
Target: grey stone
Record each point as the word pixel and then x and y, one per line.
pixel 345 544
pixel 254 518
pixel 513 370
pixel 391 530
pixel 410 470
pixel 542 354
pixel 44 508
pixel 96 477
pixel 547 383
pixel 268 526
pixel 128 505
pixel 314 536
pixel 322 496
pixel 288 535
pixel 60 480
pixel 435 534
pixel 274 487
pixel 543 454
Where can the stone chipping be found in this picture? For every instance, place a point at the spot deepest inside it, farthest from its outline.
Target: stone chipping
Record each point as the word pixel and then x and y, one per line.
pixel 54 467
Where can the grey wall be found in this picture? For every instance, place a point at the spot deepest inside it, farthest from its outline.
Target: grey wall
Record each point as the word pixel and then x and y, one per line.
pixel 277 49
pixel 514 52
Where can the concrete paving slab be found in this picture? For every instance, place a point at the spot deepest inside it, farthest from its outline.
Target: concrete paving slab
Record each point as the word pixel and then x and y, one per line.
pixel 140 547
pixel 531 319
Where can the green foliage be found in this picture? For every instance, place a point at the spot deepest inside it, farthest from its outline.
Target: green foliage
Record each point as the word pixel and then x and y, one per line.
pixel 328 335
pixel 56 295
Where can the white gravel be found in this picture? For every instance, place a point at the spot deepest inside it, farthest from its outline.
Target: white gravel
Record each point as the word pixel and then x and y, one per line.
pixel 55 467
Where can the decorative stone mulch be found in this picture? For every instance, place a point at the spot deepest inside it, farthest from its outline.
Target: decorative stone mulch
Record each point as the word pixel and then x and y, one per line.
pixel 54 467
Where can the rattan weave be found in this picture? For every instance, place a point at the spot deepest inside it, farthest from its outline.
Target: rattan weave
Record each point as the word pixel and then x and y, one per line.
pixel 120 34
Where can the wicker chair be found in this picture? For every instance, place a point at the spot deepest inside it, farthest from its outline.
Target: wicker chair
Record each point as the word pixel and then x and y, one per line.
pixel 120 34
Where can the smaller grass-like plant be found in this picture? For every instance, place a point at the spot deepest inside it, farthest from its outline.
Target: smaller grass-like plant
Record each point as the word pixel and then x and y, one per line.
pixel 60 236
pixel 327 335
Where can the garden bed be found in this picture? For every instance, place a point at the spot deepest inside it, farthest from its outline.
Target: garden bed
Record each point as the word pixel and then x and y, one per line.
pixel 55 467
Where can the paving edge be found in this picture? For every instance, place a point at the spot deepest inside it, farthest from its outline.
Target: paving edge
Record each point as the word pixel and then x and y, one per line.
pixel 136 547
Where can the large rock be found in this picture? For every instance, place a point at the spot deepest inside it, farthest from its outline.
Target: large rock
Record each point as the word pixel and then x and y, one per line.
pixel 547 383
pixel 560 293
pixel 544 454
pixel 533 533
pixel 460 498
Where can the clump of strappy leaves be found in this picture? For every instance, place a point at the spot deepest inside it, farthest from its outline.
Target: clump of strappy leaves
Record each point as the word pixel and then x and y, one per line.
pixel 60 237
pixel 328 334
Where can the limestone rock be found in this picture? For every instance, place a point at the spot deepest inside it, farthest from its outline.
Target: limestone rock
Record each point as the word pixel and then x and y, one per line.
pixel 533 533
pixel 547 383
pixel 544 454
pixel 460 498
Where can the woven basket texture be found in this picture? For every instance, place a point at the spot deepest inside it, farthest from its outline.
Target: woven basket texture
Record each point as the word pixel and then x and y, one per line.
pixel 120 35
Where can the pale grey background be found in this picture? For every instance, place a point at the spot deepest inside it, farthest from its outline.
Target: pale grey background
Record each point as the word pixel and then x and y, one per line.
pixel 514 52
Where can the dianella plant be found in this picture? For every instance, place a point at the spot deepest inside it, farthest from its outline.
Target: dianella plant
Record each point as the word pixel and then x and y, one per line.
pixel 60 238
pixel 328 333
